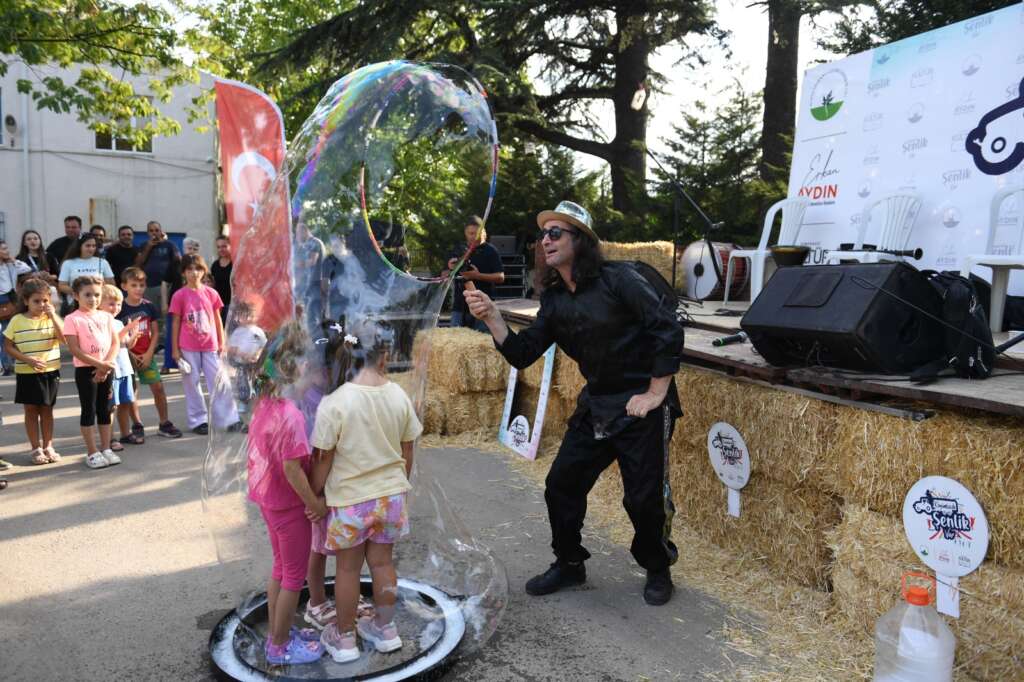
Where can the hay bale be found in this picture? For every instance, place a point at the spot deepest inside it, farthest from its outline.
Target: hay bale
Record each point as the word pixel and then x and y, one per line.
pixel 871 553
pixel 788 435
pixel 568 381
pixel 655 254
pixel 471 411
pixel 881 457
pixel 460 360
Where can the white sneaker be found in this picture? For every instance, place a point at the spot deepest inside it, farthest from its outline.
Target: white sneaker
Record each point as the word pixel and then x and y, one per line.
pixel 52 454
pixel 111 457
pixel 96 461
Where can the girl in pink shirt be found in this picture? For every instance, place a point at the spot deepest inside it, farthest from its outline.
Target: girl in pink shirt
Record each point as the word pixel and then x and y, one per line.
pixel 279 467
pixel 93 343
pixel 197 336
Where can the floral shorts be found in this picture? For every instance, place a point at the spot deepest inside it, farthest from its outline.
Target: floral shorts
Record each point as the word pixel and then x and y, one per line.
pixel 383 520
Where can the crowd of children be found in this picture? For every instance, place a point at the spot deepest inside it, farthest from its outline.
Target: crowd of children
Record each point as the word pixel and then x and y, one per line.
pixel 330 473
pixel 111 336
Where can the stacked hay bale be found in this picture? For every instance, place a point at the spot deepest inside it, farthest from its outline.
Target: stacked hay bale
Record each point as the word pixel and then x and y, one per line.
pixel 561 403
pixel 871 553
pixel 466 380
pixel 790 504
pixel 655 254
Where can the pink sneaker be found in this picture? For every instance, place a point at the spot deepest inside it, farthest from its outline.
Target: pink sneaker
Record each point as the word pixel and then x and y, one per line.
pixel 384 637
pixel 294 652
pixel 340 645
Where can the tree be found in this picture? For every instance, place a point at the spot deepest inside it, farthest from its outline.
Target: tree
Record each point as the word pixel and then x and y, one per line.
pixel 897 19
pixel 781 76
pixel 108 40
pixel 715 157
pixel 585 52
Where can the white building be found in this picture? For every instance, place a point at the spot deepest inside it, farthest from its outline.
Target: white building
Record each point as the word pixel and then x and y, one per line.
pixel 52 165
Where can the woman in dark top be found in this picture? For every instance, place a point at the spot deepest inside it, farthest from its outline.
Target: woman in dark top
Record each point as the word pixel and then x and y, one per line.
pixel 33 253
pixel 221 273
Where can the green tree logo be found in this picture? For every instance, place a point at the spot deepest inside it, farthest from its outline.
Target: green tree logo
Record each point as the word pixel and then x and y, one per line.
pixel 828 95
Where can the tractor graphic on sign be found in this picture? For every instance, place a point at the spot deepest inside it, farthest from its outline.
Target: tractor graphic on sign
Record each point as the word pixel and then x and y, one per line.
pixel 727 449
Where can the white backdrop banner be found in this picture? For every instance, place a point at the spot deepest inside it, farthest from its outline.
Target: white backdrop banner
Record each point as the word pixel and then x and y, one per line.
pixel 941 115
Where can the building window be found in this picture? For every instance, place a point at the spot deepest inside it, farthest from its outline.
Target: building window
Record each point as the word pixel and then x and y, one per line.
pixel 114 143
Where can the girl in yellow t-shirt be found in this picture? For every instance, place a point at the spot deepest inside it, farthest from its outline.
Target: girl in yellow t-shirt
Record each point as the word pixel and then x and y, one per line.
pixel 33 339
pixel 363 441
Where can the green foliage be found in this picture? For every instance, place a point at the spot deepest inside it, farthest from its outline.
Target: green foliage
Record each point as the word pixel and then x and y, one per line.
pixel 897 19
pixel 108 40
pixel 714 156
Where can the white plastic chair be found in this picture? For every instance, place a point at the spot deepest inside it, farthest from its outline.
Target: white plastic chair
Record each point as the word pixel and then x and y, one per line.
pixel 792 219
pixel 1001 264
pixel 900 214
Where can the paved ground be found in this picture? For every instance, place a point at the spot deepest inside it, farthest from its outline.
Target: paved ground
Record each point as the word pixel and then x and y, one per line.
pixel 112 574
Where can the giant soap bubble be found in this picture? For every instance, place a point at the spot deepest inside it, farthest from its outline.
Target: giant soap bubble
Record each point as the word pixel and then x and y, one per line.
pixel 384 171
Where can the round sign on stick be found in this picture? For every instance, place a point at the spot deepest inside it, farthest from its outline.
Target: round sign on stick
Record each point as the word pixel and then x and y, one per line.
pixel 730 460
pixel 945 525
pixel 729 455
pixel 949 532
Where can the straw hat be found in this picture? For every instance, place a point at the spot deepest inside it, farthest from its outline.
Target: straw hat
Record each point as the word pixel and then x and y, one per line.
pixel 572 213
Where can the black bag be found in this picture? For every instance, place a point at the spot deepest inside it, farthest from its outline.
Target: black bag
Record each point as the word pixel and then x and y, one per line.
pixel 969 351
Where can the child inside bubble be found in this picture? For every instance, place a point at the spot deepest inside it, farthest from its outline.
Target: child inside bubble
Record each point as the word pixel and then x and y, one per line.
pixel 363 442
pixel 279 465
pixel 245 344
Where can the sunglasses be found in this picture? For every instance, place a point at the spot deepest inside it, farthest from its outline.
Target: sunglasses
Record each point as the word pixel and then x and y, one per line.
pixel 555 233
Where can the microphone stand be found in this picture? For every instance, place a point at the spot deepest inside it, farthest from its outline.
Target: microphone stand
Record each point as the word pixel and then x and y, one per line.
pixel 709 226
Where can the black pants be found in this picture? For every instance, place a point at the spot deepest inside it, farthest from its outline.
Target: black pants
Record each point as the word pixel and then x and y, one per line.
pixel 642 453
pixel 95 398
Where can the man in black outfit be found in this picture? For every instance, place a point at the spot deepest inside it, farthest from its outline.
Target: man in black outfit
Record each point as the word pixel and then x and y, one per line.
pixel 58 248
pixel 627 342
pixel 220 270
pixel 122 253
pixel 483 268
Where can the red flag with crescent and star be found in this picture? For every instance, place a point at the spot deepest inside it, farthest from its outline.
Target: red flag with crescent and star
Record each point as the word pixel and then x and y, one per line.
pixel 252 151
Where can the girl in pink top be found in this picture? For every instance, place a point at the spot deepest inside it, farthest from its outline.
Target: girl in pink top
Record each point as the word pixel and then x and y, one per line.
pixel 197 336
pixel 279 467
pixel 94 344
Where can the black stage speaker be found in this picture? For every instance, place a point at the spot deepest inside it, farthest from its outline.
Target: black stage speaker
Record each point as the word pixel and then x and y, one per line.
pixel 836 315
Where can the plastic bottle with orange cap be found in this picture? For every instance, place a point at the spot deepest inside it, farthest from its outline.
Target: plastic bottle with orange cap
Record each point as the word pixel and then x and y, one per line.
pixel 912 641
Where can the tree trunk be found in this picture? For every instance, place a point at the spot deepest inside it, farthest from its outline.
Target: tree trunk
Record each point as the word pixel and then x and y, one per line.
pixel 780 88
pixel 629 148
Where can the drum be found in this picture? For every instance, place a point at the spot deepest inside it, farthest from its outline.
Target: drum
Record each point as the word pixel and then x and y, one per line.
pixel 700 280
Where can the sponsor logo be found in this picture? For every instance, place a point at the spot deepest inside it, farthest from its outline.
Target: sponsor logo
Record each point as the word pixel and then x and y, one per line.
pixel 816 183
pixel 878 84
pixel 965 105
pixel 973 27
pixel 951 217
pixel 828 95
pixel 927 47
pixel 949 258
pixel 971 65
pixel 1020 58
pixel 873 121
pixel 922 77
pixel 909 182
pixel 944 517
pixel 916 112
pixel 727 448
pixel 956 143
pixel 914 145
pixel 952 179
pixel 997 142
pixel 883 57
pixel 864 191
pixel 871 156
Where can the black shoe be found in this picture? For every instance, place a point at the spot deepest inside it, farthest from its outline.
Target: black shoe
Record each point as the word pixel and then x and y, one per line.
pixel 559 575
pixel 236 427
pixel 658 589
pixel 202 429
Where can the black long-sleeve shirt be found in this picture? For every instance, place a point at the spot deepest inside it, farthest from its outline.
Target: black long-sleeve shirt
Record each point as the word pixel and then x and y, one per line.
pixel 619 331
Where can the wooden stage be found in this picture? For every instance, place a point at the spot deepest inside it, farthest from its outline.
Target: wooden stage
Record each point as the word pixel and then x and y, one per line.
pixel 1002 393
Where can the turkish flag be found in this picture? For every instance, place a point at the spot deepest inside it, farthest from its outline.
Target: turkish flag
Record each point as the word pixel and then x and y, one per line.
pixel 252 151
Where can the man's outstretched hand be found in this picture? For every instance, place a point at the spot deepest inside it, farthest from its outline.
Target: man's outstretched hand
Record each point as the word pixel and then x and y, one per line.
pixel 480 304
